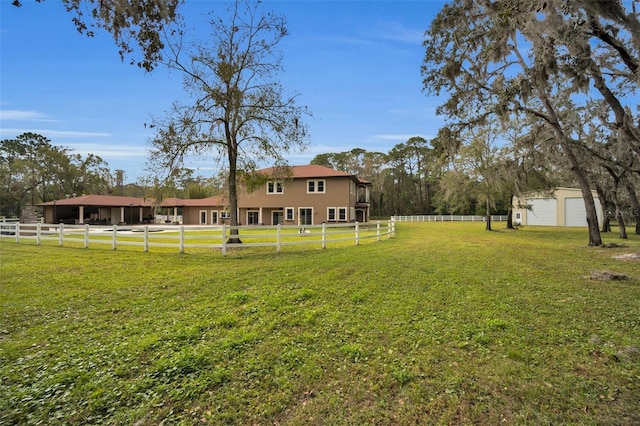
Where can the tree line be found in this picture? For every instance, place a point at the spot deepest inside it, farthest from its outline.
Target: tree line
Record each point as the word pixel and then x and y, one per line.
pixel 561 76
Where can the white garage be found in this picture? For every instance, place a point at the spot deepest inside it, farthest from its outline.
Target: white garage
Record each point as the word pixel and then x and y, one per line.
pixel 566 208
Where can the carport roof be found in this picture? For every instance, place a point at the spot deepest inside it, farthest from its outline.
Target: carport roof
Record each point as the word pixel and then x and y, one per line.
pixel 102 200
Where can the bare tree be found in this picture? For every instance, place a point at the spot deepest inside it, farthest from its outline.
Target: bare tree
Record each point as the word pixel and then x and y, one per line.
pixel 237 109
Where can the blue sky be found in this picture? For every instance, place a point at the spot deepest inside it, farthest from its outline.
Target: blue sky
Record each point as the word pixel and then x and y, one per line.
pixel 354 64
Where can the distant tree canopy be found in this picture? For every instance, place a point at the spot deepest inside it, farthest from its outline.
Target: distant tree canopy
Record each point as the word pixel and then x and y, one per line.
pixel 420 177
pixel 131 23
pixel 33 171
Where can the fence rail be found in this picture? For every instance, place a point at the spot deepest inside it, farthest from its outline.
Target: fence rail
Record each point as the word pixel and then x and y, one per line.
pixel 448 218
pixel 183 237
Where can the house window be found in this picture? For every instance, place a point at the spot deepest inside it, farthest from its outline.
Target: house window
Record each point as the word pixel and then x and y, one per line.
pixel 316 186
pixel 342 214
pixel 288 213
pixel 331 214
pixel 214 217
pixel 274 187
pixel 203 217
pixel 224 215
pixel 253 217
pixel 306 216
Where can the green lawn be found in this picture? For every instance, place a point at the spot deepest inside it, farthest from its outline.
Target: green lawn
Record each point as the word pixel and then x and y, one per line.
pixel 443 324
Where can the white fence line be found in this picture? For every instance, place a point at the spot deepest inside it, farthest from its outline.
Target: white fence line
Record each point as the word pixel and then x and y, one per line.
pixel 183 237
pixel 448 218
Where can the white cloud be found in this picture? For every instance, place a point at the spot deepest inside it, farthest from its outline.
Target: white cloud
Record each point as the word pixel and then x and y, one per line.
pixel 54 133
pixel 108 151
pixel 396 31
pixel 18 115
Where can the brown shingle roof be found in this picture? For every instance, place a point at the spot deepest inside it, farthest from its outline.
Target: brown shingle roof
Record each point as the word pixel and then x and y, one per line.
pixel 179 202
pixel 308 171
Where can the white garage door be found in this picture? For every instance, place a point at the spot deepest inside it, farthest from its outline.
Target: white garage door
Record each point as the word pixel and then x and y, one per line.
pixel 543 212
pixel 575 213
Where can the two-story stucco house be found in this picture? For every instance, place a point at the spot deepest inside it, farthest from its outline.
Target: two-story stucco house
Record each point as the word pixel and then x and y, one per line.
pixel 309 195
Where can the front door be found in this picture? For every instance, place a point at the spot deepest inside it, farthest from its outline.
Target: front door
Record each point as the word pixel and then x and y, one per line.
pixel 253 218
pixel 277 218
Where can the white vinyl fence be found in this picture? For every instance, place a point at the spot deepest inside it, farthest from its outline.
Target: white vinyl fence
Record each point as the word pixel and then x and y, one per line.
pixel 448 218
pixel 182 237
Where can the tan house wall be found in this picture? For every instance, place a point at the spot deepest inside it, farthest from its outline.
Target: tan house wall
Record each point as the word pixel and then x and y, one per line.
pixel 339 192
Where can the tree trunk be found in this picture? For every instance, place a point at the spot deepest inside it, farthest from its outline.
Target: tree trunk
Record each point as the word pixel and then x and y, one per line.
pixel 233 198
pixel 589 203
pixel 510 214
pixel 606 223
pixel 619 214
pixel 634 202
pixel 488 220
pixel 606 220
pixel 621 225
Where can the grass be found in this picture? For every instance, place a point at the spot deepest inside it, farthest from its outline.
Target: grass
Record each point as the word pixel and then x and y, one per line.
pixel 443 324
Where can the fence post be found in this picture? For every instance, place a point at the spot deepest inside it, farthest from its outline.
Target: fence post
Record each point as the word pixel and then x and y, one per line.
pixel 115 237
pixel 324 235
pixel 278 238
pixel 181 238
pixel 61 236
pixel 224 239
pixel 38 229
pixel 378 230
pixel 357 234
pixel 146 238
pixel 86 235
pixel 17 232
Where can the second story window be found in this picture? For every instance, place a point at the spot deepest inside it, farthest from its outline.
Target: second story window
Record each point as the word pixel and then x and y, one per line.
pixel 316 186
pixel 274 187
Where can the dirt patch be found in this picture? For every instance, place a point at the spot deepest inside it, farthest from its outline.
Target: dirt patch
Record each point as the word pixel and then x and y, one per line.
pixel 607 276
pixel 628 256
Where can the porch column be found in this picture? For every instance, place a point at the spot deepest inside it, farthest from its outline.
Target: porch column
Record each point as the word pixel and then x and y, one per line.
pixel 81 214
pixel 175 214
pixel 260 216
pixel 122 215
pixel 140 215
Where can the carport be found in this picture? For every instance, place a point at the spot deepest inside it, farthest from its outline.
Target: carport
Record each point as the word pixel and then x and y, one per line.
pixel 99 210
